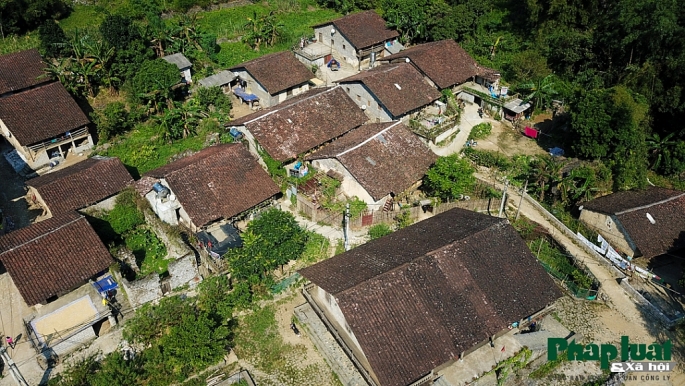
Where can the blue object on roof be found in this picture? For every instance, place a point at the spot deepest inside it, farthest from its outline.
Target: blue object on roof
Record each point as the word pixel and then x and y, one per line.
pixel 298 165
pixel 244 96
pixel 235 133
pixel 106 284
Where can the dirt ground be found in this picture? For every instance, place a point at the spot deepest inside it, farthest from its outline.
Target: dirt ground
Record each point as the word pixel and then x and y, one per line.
pixel 507 140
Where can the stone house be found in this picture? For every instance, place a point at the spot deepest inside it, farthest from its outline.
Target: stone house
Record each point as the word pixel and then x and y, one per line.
pixel 45 269
pixel 96 180
pixel 272 78
pixel 183 64
pixel 390 93
pixel 409 305
pixel 644 223
pixel 376 161
pixel 358 39
pixel 220 183
pixel 301 124
pixel 43 124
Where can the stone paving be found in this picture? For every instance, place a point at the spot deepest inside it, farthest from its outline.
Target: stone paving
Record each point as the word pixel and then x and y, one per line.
pixel 328 347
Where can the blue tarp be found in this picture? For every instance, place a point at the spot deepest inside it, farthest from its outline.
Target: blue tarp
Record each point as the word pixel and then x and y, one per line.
pixel 106 284
pixel 244 96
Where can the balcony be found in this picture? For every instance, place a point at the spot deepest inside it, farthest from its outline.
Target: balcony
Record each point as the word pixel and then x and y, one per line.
pixel 65 138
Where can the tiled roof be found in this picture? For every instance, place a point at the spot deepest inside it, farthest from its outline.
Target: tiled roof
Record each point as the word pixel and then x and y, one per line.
pixel 217 182
pixel 53 256
pixel 444 62
pixel 363 29
pixel 398 87
pixel 383 157
pixel 304 122
pixel 21 70
pixel 41 113
pixel 277 72
pixel 82 184
pixel 420 296
pixel 622 201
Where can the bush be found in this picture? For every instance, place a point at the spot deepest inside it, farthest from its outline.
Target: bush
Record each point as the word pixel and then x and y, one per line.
pixel 488 158
pixel 403 219
pixel 379 230
pixel 125 216
pixel 480 131
pixel 112 120
pixel 449 177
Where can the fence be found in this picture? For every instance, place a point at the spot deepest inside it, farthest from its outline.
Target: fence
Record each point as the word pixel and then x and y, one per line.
pixel 567 281
pixel 321 215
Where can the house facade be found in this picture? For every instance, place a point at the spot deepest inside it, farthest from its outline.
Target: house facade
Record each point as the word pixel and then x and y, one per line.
pixel 217 184
pixel 639 223
pixel 44 124
pixel 376 161
pixel 272 79
pixel 359 39
pixel 390 93
pixel 360 293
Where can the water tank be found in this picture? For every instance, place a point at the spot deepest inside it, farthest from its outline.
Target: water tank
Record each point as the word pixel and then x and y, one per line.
pixel 161 190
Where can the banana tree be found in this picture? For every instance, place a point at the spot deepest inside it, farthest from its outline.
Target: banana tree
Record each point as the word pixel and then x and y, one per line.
pixel 543 91
pixel 657 146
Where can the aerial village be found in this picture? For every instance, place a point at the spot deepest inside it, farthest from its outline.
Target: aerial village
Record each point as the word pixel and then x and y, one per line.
pixel 364 212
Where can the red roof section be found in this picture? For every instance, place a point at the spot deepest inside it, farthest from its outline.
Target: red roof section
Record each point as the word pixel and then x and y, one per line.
pixel 82 184
pixel 41 113
pixel 363 29
pixel 21 70
pixel 398 87
pixel 217 182
pixel 417 298
pixel 277 72
pixel 53 256
pixel 444 62
pixel 383 157
pixel 303 123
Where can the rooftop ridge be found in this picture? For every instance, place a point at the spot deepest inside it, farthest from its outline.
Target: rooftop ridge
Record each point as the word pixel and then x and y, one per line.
pixel 289 105
pixel 649 205
pixel 422 257
pixel 368 139
pixel 43 235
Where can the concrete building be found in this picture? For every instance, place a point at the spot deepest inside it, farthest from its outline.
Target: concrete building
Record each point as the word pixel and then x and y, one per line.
pixel 358 39
pixel 409 305
pixel 639 223
pixel 390 93
pixel 376 161
pixel 183 64
pixel 271 79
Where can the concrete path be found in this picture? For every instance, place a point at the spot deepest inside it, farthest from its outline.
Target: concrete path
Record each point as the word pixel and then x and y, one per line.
pixel 334 234
pixel 469 118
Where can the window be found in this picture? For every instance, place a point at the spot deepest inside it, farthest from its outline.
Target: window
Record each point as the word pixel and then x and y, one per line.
pixel 608 222
pixel 378 106
pixel 359 98
pixel 344 47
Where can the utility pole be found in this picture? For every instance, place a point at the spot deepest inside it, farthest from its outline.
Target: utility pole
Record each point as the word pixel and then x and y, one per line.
pixel 13 369
pixel 504 197
pixel 347 227
pixel 523 192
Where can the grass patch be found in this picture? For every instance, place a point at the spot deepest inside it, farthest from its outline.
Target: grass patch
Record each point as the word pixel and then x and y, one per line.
pixel 14 43
pixel 83 17
pixel 548 367
pixel 316 248
pixel 259 342
pixel 142 149
pixel 560 265
pixel 148 249
pixel 480 131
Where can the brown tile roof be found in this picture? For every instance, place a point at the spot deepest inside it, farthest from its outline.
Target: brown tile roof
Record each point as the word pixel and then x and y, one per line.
pixel 304 122
pixel 21 70
pixel 622 201
pixel 277 72
pixel 383 81
pixel 41 113
pixel 383 157
pixel 444 62
pixel 53 256
pixel 217 182
pixel 82 184
pixel 420 296
pixel 489 74
pixel 363 29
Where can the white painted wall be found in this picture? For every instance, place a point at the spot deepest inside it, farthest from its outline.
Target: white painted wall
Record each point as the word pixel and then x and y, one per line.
pixel 338 42
pixel 349 185
pixel 166 211
pixel 610 228
pixel 375 110
pixel 186 75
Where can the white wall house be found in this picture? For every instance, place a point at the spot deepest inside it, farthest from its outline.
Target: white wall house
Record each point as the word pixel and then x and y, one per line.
pixel 183 64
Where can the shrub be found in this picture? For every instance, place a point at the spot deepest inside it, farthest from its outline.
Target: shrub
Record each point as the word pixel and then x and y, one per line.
pixel 125 216
pixel 449 177
pixel 488 158
pixel 480 131
pixel 379 230
pixel 403 219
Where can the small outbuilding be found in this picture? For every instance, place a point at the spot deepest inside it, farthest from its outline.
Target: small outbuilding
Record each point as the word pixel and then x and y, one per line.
pixel 183 65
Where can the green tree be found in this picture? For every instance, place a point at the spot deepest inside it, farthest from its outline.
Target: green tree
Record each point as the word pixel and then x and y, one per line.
pixel 112 120
pixel 528 65
pixel 119 31
pixel 213 99
pixel 379 230
pixel 53 41
pixel 450 177
pixel 180 120
pixel 154 82
pixel 115 370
